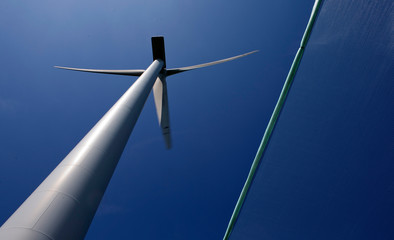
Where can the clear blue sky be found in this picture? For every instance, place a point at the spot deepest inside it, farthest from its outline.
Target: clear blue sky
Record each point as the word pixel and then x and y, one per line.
pixel 218 114
pixel 327 172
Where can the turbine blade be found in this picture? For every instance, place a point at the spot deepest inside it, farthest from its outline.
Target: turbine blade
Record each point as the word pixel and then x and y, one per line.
pixel 131 72
pixel 161 102
pixel 173 71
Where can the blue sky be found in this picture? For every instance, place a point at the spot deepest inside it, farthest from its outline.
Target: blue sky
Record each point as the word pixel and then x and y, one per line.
pixel 327 171
pixel 218 114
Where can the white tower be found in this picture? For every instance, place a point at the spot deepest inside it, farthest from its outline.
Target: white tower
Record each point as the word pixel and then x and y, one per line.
pixel 64 204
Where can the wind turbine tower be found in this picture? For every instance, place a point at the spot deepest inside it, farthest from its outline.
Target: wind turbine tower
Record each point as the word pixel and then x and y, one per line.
pixel 64 204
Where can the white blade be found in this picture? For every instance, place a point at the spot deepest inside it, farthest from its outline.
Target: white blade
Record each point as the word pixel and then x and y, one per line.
pixel 131 72
pixel 173 71
pixel 161 102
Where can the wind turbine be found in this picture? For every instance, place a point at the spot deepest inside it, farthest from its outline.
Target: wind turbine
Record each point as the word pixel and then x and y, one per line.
pixel 64 204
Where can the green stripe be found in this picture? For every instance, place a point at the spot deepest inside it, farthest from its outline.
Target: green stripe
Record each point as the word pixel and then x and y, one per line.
pixel 274 117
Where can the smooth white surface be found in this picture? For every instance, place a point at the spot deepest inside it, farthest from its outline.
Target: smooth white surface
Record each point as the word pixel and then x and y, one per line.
pixel 63 206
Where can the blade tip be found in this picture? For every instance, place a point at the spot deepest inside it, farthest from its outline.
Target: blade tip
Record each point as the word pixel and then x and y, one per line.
pixel 59 67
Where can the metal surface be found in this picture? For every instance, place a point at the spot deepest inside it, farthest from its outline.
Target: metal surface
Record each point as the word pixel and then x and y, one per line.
pixel 63 206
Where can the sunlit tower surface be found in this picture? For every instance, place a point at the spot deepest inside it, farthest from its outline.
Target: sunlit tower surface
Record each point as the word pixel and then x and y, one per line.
pixel 64 204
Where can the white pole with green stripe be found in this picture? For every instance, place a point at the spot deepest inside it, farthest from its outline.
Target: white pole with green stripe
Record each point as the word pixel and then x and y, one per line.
pixel 273 119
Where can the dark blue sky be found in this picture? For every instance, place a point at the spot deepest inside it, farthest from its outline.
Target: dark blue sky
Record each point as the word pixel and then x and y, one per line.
pixel 327 172
pixel 218 114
